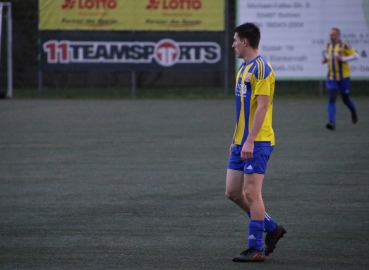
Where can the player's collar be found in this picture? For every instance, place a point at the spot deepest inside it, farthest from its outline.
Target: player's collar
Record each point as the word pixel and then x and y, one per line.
pixel 253 60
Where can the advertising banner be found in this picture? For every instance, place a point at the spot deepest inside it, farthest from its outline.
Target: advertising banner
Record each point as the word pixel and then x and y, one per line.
pixel 294 33
pixel 1 22
pixel 130 15
pixel 65 50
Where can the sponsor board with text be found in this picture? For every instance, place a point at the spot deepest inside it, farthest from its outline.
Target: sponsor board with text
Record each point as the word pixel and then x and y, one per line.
pixel 295 33
pixel 128 15
pixel 124 51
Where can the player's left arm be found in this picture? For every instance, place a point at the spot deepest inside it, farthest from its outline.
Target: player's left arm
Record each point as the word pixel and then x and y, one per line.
pixel 348 53
pixel 260 113
pixel 350 57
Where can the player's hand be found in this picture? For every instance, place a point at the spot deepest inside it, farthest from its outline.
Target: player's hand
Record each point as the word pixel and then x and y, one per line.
pixel 338 57
pixel 247 150
pixel 230 148
pixel 325 60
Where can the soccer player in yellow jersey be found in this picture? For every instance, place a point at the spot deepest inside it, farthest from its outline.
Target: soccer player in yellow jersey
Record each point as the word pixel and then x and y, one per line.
pixel 252 143
pixel 337 54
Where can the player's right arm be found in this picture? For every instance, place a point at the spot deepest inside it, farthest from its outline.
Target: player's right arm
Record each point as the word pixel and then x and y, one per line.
pixel 325 55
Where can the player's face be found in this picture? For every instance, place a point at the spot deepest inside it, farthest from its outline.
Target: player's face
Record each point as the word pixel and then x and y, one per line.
pixel 334 36
pixel 239 45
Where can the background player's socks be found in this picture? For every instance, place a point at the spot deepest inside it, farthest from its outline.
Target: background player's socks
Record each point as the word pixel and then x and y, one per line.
pixel 332 112
pixel 349 103
pixel 269 223
pixel 351 106
pixel 255 239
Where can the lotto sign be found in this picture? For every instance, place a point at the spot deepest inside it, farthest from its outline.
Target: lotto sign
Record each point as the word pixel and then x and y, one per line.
pixel 148 15
pixel 145 51
pixel 177 15
pixel 82 14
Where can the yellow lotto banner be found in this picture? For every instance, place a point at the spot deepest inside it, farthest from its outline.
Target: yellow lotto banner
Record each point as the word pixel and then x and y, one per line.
pixel 127 15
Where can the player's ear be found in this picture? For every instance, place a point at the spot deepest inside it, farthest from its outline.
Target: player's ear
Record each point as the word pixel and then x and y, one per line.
pixel 245 42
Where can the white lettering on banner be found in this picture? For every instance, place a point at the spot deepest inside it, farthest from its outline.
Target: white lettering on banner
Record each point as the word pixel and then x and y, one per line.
pixel 175 4
pixel 294 33
pixel 89 4
pixel 166 52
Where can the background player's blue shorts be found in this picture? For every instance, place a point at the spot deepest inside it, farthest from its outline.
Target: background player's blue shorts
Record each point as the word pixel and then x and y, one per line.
pixel 343 85
pixel 257 164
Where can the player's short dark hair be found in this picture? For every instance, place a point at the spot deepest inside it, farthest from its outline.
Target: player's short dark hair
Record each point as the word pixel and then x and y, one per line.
pixel 249 31
pixel 337 30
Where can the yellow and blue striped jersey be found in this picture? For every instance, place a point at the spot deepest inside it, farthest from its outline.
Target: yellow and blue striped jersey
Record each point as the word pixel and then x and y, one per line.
pixel 253 78
pixel 338 70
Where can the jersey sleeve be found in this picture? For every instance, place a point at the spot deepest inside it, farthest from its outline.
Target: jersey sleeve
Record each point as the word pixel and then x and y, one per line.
pixel 262 74
pixel 347 49
pixel 262 87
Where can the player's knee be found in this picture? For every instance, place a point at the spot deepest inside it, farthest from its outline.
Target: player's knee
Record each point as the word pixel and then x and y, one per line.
pixel 234 196
pixel 250 196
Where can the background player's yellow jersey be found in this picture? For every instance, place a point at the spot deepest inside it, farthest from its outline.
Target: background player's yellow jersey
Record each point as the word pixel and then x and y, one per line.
pixel 338 70
pixel 254 78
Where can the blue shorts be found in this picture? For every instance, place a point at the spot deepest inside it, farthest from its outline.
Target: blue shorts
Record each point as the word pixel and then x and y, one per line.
pixel 342 85
pixel 258 162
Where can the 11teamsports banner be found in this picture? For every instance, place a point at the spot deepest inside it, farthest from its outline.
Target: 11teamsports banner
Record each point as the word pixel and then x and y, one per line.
pixel 87 50
pixel 130 15
pixel 294 33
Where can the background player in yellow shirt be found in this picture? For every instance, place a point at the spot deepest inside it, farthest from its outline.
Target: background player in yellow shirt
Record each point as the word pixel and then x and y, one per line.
pixel 338 53
pixel 252 144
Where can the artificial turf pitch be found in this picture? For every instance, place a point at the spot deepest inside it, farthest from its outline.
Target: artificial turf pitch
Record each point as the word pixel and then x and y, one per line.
pixel 139 184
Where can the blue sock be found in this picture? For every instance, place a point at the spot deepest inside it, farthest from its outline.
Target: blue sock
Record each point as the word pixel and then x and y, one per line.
pixel 348 102
pixel 255 239
pixel 269 223
pixel 351 106
pixel 332 112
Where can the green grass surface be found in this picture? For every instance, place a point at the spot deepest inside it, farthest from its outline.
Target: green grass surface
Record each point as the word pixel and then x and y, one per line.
pixel 290 89
pixel 139 184
pixel 122 93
